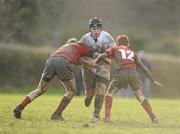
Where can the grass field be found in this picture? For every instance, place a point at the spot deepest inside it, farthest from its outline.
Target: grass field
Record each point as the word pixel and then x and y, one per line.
pixel 127 117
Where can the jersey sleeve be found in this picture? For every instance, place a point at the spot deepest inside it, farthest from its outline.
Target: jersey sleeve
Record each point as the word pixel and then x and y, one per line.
pixel 84 49
pixel 83 39
pixel 111 41
pixel 110 51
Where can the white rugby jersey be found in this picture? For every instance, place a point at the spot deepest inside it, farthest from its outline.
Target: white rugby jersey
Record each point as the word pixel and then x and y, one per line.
pixel 104 41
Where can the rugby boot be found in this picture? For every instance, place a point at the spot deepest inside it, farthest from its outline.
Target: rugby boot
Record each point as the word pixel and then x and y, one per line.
pixel 87 101
pixel 155 121
pixel 17 112
pixel 95 119
pixel 105 119
pixel 56 117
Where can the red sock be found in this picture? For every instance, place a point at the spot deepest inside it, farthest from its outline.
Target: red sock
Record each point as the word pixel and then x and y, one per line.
pixel 108 105
pixel 26 101
pixel 148 108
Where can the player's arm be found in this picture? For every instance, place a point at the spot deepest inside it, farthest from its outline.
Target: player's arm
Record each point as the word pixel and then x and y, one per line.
pixel 101 57
pixel 83 39
pixel 111 40
pixel 111 44
pixel 147 72
pixel 94 54
pixel 89 63
pixel 107 60
pixel 89 52
pixel 104 56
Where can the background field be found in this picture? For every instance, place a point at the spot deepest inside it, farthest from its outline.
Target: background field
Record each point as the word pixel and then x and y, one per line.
pixel 127 117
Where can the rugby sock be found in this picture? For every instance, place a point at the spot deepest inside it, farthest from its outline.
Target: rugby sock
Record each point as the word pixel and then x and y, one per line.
pixel 146 105
pixel 26 101
pixel 108 105
pixel 63 104
pixel 98 105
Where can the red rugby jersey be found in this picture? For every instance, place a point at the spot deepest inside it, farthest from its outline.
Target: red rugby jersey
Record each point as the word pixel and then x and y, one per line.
pixel 123 56
pixel 72 51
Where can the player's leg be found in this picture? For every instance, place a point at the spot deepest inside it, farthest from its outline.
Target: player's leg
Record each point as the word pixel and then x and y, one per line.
pixel 146 105
pixel 108 101
pixel 78 80
pixel 89 83
pixel 101 87
pixel 70 92
pixel 136 86
pixel 47 76
pixel 64 71
pixel 43 86
pixel 112 89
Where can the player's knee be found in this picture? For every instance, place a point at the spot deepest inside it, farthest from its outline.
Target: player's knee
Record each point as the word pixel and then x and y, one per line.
pixel 141 98
pixel 89 92
pixel 100 92
pixel 111 91
pixel 101 89
pixel 70 94
pixel 34 94
pixel 73 90
pixel 43 86
pixel 46 79
pixel 101 86
pixel 40 91
pixel 109 94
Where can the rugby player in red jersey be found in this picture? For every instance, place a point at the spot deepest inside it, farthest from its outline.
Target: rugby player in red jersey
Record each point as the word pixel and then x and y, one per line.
pixel 59 64
pixel 126 61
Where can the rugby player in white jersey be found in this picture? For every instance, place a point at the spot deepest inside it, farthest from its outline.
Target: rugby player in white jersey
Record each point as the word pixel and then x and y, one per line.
pixel 96 80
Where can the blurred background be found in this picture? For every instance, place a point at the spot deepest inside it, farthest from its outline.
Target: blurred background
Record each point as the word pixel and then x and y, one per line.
pixel 31 29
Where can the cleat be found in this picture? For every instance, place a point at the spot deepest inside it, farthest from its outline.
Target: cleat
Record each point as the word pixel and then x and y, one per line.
pixel 87 101
pixel 56 117
pixel 106 119
pixel 155 121
pixel 17 112
pixel 95 119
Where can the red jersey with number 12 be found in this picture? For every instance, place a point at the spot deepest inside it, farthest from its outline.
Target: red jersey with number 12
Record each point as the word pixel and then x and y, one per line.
pixel 123 56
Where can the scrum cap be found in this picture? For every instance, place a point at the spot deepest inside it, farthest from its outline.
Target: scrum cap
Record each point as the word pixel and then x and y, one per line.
pixel 95 22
